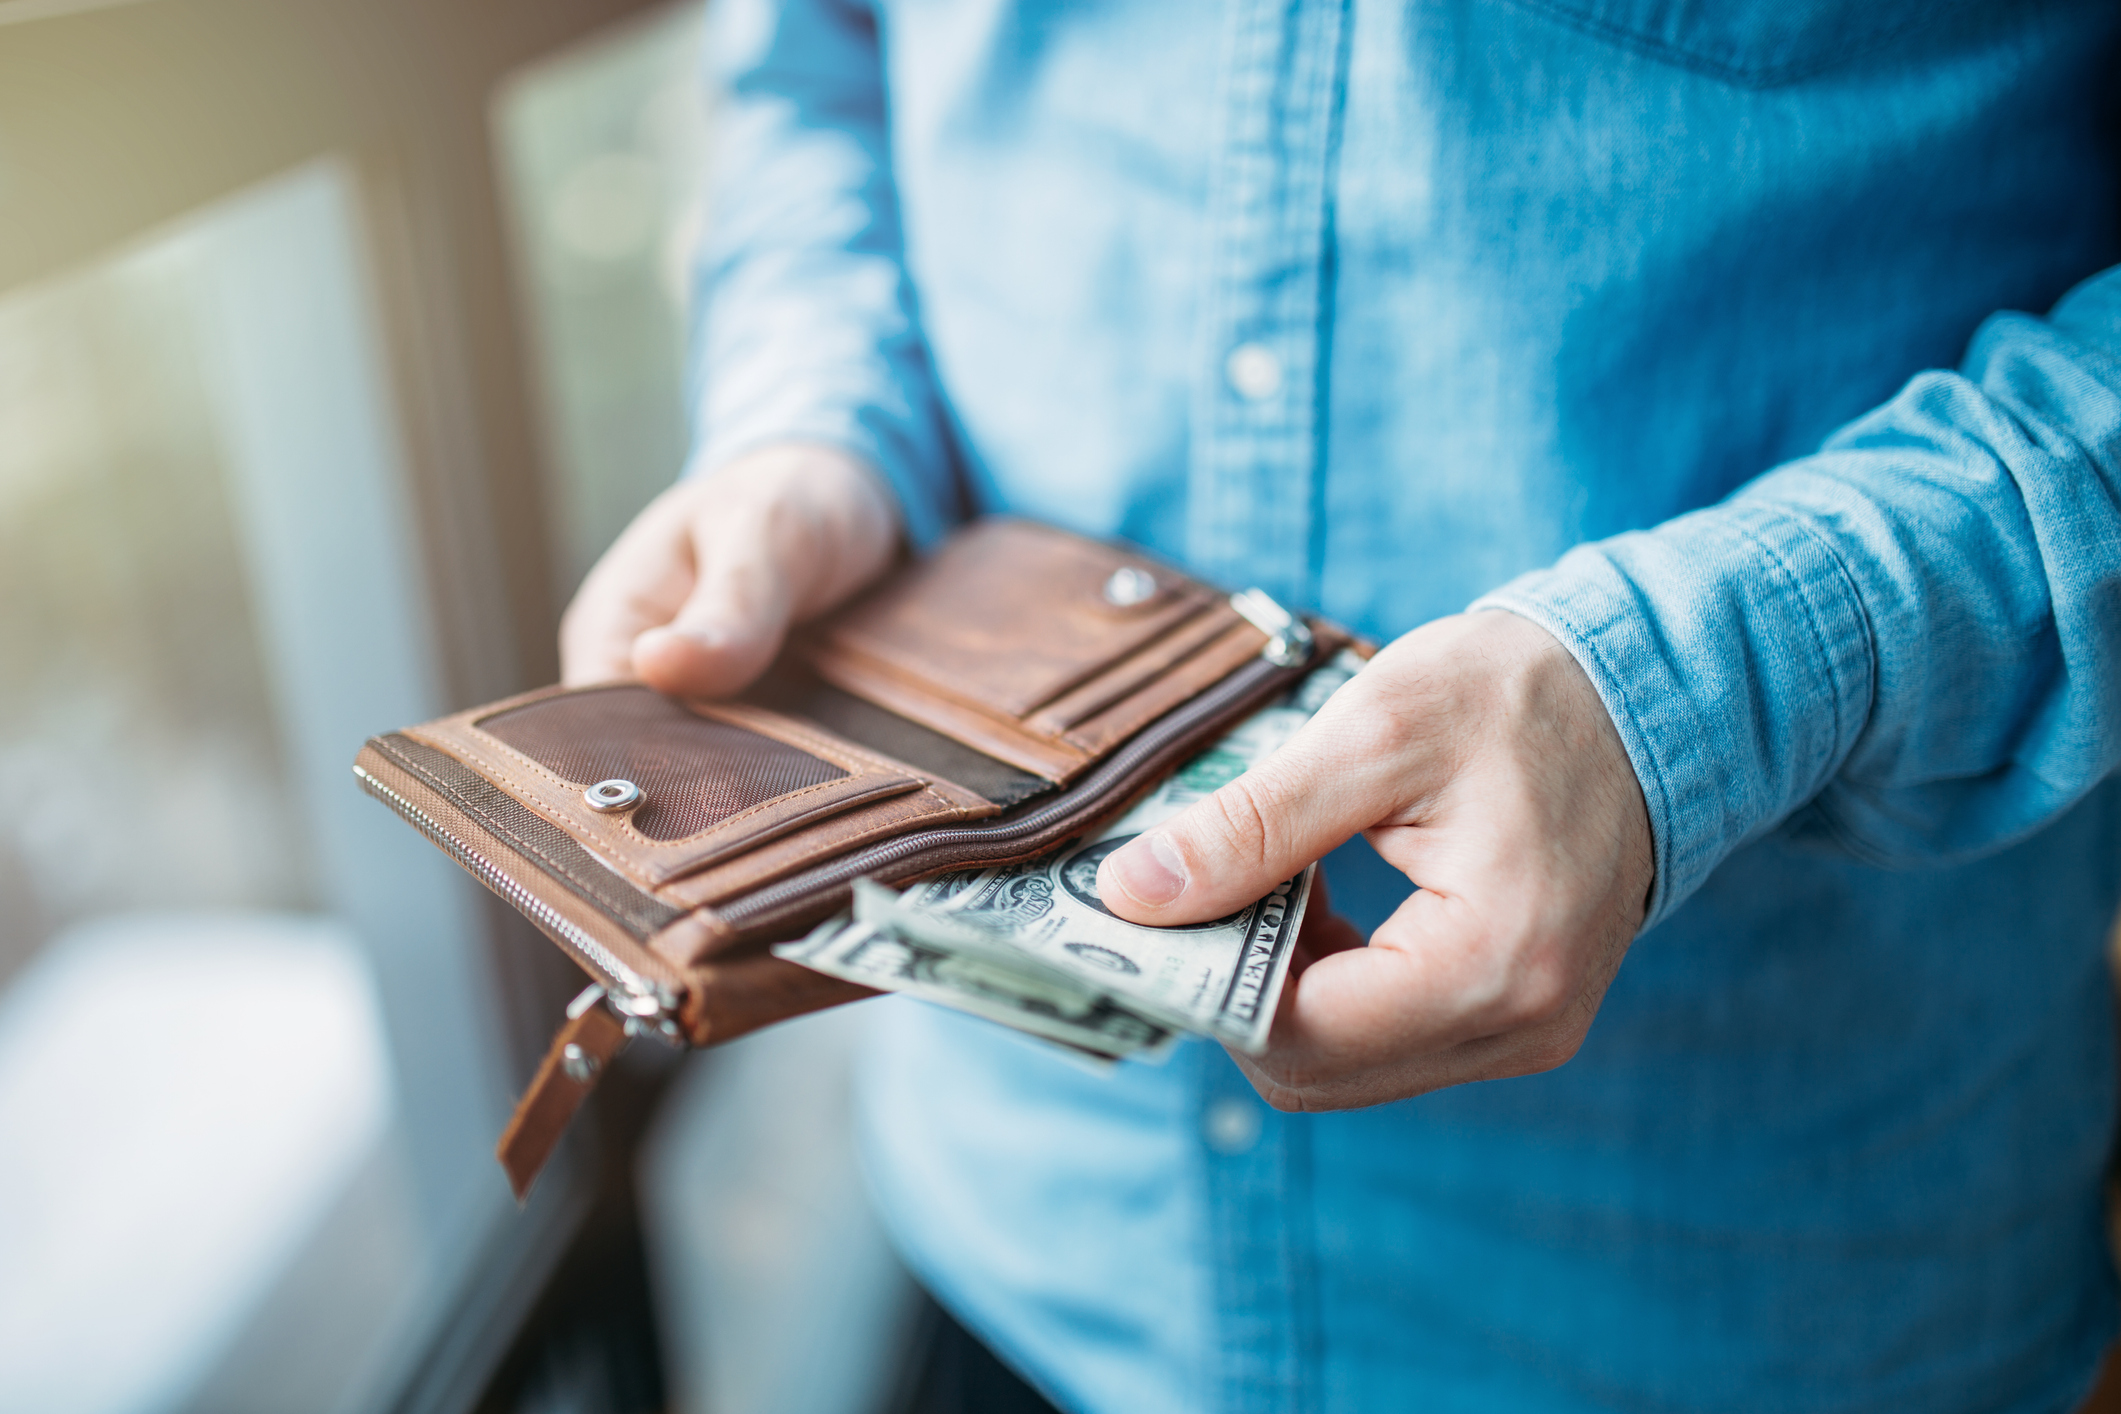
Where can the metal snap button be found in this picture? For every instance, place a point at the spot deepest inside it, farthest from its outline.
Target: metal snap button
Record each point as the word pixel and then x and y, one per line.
pixel 1129 586
pixel 612 796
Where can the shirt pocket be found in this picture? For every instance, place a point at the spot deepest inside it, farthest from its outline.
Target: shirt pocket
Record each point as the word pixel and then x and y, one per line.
pixel 1756 43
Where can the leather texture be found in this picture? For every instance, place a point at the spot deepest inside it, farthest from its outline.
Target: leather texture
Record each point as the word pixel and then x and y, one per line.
pixel 1008 641
pixel 979 707
pixel 857 777
pixel 553 1096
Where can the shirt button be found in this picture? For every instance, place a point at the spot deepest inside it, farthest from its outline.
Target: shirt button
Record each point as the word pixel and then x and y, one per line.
pixel 1254 371
pixel 1231 1125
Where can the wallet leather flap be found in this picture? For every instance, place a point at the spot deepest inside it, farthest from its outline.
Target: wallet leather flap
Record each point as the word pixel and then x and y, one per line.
pixel 1032 645
pixel 707 781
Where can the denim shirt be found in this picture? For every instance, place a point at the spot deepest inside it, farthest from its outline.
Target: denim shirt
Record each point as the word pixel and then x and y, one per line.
pixel 1757 349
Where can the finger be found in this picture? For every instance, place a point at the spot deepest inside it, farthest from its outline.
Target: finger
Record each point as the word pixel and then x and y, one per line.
pixel 1442 996
pixel 1323 931
pixel 635 585
pixel 1222 853
pixel 1323 935
pixel 697 593
pixel 731 624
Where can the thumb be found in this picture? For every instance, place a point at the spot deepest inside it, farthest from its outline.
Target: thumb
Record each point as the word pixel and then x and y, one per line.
pixel 1224 852
pixel 730 626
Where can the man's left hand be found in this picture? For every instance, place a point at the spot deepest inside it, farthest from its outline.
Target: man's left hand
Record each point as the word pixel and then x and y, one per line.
pixel 1477 758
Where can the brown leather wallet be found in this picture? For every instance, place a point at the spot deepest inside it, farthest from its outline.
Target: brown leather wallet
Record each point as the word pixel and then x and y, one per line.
pixel 982 706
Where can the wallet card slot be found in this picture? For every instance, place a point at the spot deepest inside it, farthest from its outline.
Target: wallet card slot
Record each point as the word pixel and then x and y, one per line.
pixel 1238 644
pixel 1132 674
pixel 801 898
pixel 856 829
pixel 1008 618
pixel 798 694
pixel 990 735
pixel 1031 646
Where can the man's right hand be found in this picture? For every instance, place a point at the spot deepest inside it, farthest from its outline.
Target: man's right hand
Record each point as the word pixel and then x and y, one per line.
pixel 696 596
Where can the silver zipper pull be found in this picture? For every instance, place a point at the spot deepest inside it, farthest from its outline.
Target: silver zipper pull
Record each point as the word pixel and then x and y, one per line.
pixel 1288 637
pixel 648 1011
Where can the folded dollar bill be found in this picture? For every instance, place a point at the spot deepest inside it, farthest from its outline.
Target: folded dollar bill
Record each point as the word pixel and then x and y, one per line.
pixel 1032 946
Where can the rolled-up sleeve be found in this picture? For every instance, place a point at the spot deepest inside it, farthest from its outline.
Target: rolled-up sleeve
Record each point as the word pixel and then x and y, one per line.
pixel 1911 636
pixel 806 326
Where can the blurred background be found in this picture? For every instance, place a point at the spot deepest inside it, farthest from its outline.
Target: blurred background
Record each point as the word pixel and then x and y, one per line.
pixel 337 337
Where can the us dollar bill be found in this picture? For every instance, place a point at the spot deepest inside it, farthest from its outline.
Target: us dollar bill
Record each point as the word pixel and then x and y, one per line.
pixel 1032 945
pixel 976 981
pixel 1221 978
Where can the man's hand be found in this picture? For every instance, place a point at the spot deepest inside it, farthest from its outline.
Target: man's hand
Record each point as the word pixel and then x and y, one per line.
pixel 695 598
pixel 1479 761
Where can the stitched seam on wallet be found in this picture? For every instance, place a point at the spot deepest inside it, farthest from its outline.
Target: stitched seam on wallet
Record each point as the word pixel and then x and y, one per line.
pixel 497 773
pixel 825 848
pixel 640 914
pixel 744 815
pixel 849 756
pixel 684 843
pixel 908 745
pixel 830 810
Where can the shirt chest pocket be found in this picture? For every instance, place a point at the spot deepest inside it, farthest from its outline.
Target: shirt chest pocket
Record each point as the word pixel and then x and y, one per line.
pixel 1756 43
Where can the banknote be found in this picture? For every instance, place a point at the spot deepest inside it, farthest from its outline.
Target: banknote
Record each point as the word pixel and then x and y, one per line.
pixel 1033 945
pixel 1220 978
pixel 1052 1008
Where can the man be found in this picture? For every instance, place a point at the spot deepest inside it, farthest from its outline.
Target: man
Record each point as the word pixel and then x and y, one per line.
pixel 1384 307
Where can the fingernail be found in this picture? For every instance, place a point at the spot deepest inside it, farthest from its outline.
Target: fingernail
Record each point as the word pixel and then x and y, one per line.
pixel 1150 870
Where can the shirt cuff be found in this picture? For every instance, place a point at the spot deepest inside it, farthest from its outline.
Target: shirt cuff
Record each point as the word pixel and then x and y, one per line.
pixel 1734 654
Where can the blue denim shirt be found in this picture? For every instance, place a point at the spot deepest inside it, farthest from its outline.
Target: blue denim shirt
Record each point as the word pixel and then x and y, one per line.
pixel 1687 331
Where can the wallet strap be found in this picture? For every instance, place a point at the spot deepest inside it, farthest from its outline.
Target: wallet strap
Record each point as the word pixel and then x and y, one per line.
pixel 580 1051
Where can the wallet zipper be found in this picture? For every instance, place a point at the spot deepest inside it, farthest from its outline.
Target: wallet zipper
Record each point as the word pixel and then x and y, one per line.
pixel 629 992
pixel 759 906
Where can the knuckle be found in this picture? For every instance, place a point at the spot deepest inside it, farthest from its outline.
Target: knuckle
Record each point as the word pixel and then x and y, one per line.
pixel 1373 730
pixel 1536 996
pixel 1240 820
pixel 1484 975
pixel 1551 1051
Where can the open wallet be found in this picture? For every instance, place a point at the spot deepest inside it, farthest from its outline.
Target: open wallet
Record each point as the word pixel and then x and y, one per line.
pixel 1009 693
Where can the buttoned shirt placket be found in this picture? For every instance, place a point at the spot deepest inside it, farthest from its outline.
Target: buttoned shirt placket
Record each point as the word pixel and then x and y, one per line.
pixel 1254 484
pixel 1256 453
